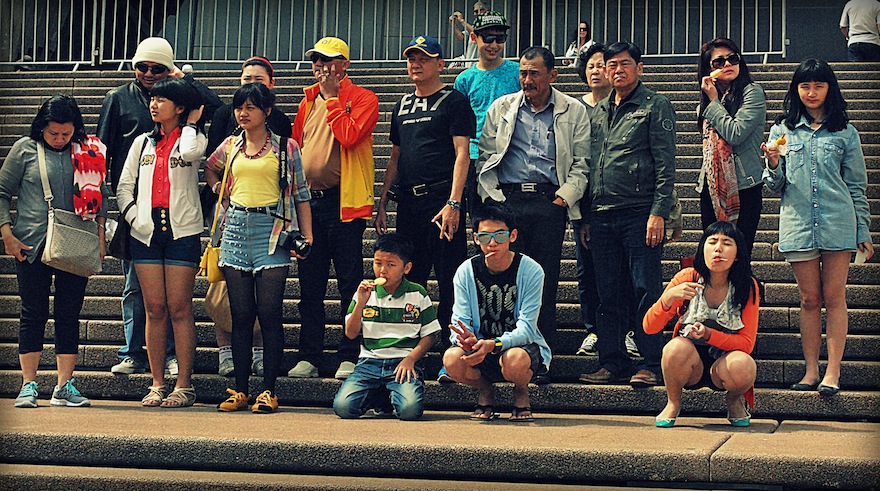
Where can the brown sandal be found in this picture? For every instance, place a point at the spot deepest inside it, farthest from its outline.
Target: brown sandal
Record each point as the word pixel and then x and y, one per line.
pixel 155 397
pixel 180 397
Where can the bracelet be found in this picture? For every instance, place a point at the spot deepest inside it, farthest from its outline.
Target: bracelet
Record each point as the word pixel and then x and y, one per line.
pixel 454 204
pixel 192 125
pixel 497 348
pixel 214 187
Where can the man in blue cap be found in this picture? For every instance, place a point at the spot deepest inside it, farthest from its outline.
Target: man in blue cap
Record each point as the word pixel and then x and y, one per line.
pixel 431 130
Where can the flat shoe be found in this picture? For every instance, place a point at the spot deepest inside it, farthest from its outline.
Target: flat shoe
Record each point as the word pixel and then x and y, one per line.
pixel 828 390
pixel 664 422
pixel 801 387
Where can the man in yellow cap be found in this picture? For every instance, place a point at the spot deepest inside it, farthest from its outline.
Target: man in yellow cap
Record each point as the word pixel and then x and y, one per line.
pixel 334 128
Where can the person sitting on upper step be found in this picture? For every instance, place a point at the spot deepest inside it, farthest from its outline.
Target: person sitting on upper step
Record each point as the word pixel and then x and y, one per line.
pixel 717 301
pixel 399 326
pixel 495 333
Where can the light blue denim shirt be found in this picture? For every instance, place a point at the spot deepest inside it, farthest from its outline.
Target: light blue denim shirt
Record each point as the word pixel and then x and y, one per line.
pixel 822 181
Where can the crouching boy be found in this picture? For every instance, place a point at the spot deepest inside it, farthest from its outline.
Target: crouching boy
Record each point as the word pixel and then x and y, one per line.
pixel 495 334
pixel 399 325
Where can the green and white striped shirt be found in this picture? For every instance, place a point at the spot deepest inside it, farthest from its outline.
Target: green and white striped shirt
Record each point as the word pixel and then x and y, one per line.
pixel 392 325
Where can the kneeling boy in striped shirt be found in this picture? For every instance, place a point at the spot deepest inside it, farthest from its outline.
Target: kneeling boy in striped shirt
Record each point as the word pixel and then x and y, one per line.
pixel 399 325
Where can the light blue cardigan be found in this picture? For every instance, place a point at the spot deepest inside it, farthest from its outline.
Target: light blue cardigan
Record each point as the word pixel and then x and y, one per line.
pixel 530 287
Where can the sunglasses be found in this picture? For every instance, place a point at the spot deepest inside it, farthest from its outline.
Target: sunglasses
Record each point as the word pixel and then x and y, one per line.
pixel 494 38
pixel 324 59
pixel 500 236
pixel 582 28
pixel 732 58
pixel 155 69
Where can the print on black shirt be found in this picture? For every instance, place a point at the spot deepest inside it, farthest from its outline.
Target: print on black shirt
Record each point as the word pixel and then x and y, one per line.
pixel 496 294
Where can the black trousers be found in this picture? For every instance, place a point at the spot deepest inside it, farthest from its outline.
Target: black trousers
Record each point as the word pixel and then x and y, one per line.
pixel 34 282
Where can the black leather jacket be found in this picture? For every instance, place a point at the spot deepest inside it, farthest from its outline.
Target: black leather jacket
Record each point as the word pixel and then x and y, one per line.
pixel 125 114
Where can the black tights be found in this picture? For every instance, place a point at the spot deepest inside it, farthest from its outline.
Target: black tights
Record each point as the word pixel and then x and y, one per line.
pixel 251 296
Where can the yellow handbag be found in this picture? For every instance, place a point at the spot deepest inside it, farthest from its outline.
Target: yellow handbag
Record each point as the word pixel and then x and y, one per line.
pixel 209 265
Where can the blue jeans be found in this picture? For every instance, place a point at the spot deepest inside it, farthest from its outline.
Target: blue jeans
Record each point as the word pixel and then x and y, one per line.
pixel 618 246
pixel 863 52
pixel 134 320
pixel 369 385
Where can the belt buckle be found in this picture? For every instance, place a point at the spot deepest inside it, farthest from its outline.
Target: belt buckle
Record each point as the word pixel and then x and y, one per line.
pixel 528 187
pixel 420 190
pixel 317 194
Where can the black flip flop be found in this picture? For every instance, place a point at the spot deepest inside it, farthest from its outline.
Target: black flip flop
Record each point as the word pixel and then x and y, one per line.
pixel 517 411
pixel 487 413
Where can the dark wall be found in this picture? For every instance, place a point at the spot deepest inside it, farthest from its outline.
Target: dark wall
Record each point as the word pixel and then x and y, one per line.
pixel 814 30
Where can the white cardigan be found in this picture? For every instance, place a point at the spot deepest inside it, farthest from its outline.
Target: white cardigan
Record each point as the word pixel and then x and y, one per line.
pixel 185 207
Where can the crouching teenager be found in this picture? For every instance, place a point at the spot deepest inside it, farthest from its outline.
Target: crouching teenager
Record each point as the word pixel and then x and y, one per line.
pixel 494 327
pixel 399 325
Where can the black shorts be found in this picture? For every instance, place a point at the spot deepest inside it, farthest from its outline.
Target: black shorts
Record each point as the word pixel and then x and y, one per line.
pixel 490 367
pixel 708 360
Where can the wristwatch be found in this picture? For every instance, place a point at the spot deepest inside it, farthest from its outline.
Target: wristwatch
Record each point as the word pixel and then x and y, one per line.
pixel 497 346
pixel 454 204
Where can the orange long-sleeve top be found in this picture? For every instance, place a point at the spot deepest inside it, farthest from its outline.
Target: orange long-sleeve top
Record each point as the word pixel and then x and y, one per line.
pixel 744 340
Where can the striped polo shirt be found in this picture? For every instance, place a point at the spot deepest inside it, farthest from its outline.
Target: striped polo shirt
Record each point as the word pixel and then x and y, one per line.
pixel 392 325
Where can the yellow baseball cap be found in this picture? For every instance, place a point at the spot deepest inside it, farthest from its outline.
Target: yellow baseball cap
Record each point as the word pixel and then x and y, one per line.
pixel 330 47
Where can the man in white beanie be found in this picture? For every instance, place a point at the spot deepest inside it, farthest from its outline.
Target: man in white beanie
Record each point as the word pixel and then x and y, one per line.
pixel 125 114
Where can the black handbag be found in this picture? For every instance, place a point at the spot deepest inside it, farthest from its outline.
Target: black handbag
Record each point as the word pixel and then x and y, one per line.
pixel 120 244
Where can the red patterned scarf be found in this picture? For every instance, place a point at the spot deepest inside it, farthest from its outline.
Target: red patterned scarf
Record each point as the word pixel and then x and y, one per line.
pixel 89 172
pixel 720 170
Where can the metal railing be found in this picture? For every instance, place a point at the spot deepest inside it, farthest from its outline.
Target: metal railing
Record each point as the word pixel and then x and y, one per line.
pixel 95 32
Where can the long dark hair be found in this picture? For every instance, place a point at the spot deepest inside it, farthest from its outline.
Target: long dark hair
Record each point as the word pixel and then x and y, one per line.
pixel 834 109
pixel 61 109
pixel 577 30
pixel 735 97
pixel 740 275
pixel 181 93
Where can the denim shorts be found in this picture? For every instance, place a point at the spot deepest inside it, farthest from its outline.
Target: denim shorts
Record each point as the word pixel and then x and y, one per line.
pixel 245 243
pixel 801 256
pixel 163 248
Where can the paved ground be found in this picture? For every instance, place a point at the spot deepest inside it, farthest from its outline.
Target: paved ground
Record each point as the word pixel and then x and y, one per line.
pixel 556 448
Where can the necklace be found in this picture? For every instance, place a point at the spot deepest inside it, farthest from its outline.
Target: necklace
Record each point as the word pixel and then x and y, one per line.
pixel 260 152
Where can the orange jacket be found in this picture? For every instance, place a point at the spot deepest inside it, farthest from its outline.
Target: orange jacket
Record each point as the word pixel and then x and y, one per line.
pixel 657 317
pixel 352 116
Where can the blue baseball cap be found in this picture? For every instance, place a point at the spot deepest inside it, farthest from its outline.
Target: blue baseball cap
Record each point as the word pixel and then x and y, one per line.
pixel 426 44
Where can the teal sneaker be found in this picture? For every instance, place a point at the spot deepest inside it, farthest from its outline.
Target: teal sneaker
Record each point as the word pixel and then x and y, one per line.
pixel 68 396
pixel 28 395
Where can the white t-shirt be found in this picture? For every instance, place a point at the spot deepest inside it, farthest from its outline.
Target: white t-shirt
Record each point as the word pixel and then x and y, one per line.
pixel 861 17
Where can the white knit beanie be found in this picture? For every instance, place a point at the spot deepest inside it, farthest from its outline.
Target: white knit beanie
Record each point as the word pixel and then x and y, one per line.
pixel 156 50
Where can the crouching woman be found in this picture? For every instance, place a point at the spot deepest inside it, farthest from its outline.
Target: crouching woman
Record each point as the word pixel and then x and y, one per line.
pixel 713 339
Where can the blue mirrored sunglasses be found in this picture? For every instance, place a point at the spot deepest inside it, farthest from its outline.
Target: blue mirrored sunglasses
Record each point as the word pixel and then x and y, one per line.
pixel 500 236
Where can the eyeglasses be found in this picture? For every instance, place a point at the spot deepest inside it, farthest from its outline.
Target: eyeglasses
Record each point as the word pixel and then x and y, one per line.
pixel 154 69
pixel 732 58
pixel 324 59
pixel 494 38
pixel 500 236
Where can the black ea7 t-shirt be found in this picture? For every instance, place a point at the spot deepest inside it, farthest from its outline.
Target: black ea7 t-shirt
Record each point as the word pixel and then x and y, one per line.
pixel 423 128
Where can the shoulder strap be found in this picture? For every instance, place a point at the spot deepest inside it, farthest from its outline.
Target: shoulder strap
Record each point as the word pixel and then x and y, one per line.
pixel 282 174
pixel 44 176
pixel 220 195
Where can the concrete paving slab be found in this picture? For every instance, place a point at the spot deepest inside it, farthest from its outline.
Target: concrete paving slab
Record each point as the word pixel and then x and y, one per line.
pixel 803 454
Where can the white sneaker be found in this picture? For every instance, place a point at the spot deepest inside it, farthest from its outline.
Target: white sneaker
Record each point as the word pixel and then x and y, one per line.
pixel 171 367
pixel 589 344
pixel 127 367
pixel 226 368
pixel 303 369
pixel 345 369
pixel 630 343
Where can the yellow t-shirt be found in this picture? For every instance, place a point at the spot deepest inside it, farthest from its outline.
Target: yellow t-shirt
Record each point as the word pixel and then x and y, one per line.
pixel 256 180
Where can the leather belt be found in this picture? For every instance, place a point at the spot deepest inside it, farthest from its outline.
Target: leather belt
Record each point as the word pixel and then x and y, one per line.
pixel 424 189
pixel 265 210
pixel 529 187
pixel 324 193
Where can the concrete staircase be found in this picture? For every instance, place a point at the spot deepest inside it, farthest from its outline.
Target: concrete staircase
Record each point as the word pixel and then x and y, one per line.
pixel 777 351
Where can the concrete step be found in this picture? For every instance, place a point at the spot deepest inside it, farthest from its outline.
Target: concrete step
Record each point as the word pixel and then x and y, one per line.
pixel 847 405
pixel 861 375
pixel 445 447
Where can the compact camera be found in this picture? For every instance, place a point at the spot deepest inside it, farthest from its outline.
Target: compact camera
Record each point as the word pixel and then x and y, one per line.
pixel 295 243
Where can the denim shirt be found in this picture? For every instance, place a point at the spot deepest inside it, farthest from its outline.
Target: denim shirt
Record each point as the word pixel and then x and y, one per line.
pixel 822 181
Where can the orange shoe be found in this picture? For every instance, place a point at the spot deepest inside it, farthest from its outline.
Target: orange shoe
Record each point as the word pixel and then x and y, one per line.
pixel 266 403
pixel 236 402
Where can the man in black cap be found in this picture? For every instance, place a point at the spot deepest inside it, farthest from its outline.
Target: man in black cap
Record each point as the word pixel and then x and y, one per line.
pixel 431 130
